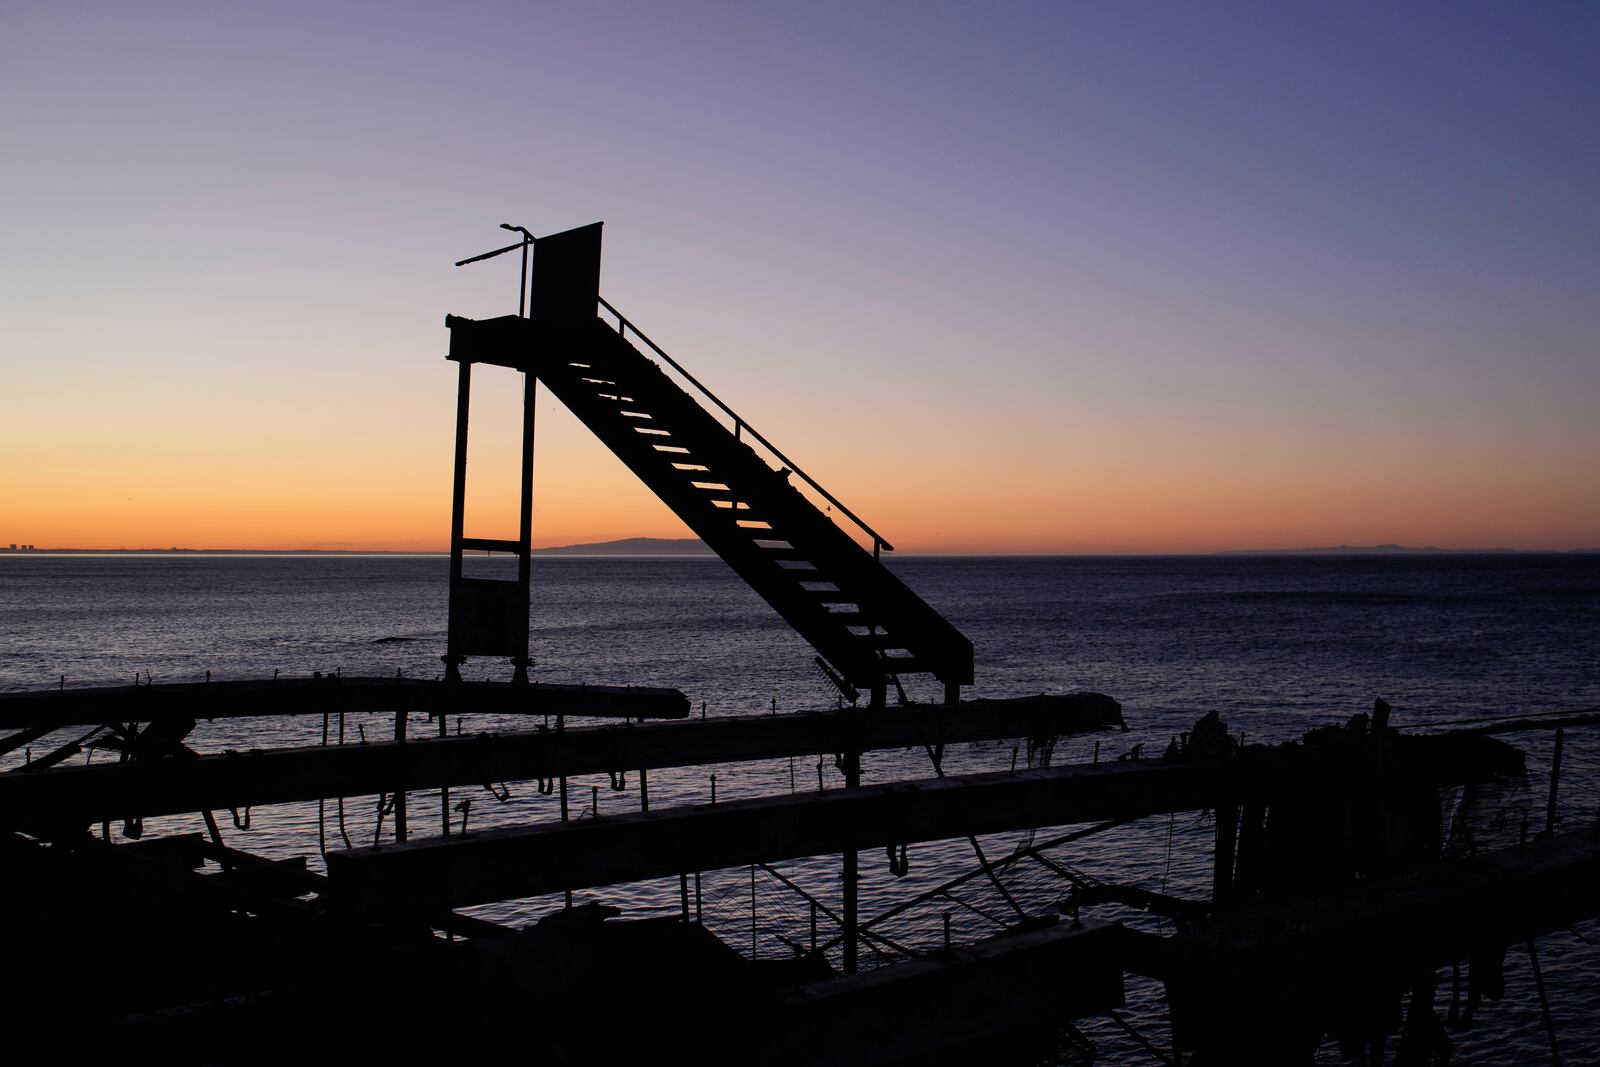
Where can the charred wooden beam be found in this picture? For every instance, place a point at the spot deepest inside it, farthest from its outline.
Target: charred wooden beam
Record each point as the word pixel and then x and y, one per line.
pixel 1309 966
pixel 527 861
pixel 313 696
pixel 984 993
pixel 81 795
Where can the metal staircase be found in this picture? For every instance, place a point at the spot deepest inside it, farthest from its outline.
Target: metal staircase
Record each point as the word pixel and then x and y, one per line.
pixel 839 596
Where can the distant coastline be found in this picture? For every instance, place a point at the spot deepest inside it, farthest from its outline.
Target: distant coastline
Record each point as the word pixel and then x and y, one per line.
pixel 694 547
pixel 4 551
pixel 627 546
pixel 1373 550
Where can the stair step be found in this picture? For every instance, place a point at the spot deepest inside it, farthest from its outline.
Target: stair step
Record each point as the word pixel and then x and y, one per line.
pixel 879 640
pixel 748 511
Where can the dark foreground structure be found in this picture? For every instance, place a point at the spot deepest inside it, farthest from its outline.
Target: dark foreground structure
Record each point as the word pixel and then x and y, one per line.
pixel 1340 883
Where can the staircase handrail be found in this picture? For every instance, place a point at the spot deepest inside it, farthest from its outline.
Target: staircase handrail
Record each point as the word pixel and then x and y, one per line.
pixel 739 424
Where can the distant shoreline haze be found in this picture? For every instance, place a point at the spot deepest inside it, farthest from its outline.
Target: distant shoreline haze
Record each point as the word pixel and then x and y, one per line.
pixel 694 547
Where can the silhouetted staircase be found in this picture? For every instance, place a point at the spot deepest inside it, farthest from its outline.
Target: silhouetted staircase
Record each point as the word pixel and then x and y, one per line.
pixel 862 619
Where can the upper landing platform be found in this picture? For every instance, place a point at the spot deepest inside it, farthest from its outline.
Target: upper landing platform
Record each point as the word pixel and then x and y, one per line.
pixel 564 297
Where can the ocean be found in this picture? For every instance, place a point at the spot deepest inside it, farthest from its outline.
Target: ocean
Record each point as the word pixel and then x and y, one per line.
pixel 1276 644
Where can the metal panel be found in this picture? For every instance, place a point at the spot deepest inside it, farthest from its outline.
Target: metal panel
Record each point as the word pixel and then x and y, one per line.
pixel 490 618
pixel 566 275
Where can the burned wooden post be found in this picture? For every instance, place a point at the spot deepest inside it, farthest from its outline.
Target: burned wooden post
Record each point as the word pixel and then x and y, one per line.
pixel 1555 783
pixel 1227 816
pixel 400 828
pixel 277 776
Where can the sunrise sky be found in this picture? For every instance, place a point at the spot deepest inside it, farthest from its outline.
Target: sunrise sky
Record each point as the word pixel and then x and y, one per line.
pixel 1006 277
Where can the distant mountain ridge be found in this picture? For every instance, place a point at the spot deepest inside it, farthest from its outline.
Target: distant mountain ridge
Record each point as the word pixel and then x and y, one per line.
pixel 633 546
pixel 1363 550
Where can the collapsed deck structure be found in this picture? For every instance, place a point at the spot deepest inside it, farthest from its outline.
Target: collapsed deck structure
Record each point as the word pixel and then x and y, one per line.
pixel 1327 873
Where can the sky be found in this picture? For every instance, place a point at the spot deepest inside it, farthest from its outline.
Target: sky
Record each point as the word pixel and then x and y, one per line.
pixel 1005 277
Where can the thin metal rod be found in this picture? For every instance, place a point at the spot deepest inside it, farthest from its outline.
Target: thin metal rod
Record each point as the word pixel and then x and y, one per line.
pixel 522 289
pixel 491 255
pixel 817 905
pixel 1544 1005
pixel 1034 852
pixel 1143 1041
pixel 1555 783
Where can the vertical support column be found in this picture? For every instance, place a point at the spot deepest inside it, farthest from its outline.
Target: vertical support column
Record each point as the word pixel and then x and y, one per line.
pixel 458 513
pixel 444 791
pixel 561 730
pixel 400 829
pixel 1248 854
pixel 851 758
pixel 952 692
pixel 530 386
pixel 1555 783
pixel 851 873
pixel 1222 869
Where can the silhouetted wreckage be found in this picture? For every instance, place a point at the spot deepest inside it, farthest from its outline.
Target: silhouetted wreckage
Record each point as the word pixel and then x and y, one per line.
pixel 1347 867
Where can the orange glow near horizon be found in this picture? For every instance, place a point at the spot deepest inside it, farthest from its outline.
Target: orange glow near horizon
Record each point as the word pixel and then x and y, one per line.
pixel 390 491
pixel 1115 284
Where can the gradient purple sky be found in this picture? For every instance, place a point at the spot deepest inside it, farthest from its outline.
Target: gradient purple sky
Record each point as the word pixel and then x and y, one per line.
pixel 1052 277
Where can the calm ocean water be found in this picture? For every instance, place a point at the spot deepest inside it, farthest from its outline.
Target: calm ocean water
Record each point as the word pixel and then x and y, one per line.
pixel 1276 644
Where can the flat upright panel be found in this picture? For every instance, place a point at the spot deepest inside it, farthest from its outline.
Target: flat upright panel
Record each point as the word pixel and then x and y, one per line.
pixel 566 275
pixel 489 617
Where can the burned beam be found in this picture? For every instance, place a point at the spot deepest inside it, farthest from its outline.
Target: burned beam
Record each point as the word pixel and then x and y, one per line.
pixel 983 993
pixel 81 795
pixel 527 861
pixel 1313 965
pixel 313 696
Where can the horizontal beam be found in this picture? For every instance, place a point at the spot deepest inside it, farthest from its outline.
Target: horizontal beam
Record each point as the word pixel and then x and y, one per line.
pixel 302 696
pixel 82 795
pixel 527 861
pixel 501 864
pixel 982 992
pixel 491 544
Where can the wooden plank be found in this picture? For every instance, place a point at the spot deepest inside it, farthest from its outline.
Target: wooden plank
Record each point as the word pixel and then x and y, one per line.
pixel 303 696
pixel 79 795
pixel 517 862
pixel 527 861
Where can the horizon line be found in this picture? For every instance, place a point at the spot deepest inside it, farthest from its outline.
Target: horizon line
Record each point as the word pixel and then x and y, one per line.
pixel 578 550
